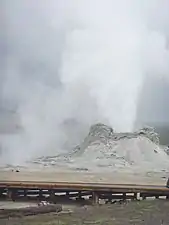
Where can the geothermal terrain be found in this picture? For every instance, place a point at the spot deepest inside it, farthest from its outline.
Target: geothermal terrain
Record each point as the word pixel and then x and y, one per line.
pixel 103 150
pixel 139 157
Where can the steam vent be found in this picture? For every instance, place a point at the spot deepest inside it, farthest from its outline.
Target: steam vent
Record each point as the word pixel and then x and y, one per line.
pixel 103 149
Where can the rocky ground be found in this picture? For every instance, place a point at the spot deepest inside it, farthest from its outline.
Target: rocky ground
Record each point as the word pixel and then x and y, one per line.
pixel 104 149
pixel 149 212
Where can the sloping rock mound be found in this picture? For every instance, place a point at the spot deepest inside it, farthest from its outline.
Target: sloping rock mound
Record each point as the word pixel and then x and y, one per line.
pixel 104 134
pixel 104 148
pixel 150 133
pixel 98 132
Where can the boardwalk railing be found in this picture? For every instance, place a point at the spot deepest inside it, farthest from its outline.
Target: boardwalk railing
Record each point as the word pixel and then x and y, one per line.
pixel 63 191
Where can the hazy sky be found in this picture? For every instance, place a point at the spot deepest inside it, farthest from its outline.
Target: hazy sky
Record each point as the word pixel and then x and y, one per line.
pixel 83 60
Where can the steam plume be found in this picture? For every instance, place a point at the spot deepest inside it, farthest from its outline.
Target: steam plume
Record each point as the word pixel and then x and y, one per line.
pixel 73 63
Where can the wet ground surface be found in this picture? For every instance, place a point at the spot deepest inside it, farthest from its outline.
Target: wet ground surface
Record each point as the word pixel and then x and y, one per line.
pixel 148 212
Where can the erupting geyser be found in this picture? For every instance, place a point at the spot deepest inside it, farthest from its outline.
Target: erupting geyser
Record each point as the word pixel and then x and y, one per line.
pixel 80 60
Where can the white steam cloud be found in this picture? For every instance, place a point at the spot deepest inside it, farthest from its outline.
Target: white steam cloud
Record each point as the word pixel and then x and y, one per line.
pixel 80 60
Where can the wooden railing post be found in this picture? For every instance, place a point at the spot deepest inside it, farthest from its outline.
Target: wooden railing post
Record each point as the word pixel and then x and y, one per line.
pixel 95 198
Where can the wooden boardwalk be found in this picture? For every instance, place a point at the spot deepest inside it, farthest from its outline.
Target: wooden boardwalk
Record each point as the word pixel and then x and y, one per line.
pixel 81 184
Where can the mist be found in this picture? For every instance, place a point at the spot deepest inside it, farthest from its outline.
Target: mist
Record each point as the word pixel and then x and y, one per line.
pixel 69 64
